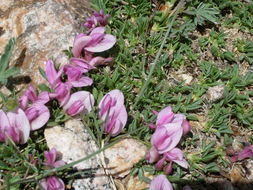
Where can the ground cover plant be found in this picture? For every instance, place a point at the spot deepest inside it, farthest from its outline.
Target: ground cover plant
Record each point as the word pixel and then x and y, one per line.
pixel 157 62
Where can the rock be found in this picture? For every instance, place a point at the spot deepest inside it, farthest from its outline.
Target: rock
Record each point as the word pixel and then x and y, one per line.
pixel 42 28
pixel 187 78
pixel 122 156
pixel 237 143
pixel 134 182
pixel 215 93
pixel 74 143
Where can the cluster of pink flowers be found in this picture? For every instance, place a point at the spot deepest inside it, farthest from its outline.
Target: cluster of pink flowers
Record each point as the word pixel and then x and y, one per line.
pixel 169 129
pixel 33 112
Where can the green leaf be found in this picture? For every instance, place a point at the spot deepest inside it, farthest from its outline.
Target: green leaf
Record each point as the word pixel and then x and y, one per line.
pixel 42 72
pixel 5 58
pixel 204 12
pixel 44 87
pixel 10 72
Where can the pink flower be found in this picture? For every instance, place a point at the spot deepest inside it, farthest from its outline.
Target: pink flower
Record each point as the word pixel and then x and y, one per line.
pixel 61 93
pixel 176 155
pixel 75 76
pixel 53 77
pixel 160 182
pixel 90 62
pixel 51 159
pixel 81 63
pixel 113 112
pixel 98 18
pixel 167 137
pixel 30 94
pixel 165 116
pixel 96 41
pixel 14 125
pixel 79 102
pixel 52 183
pixel 38 115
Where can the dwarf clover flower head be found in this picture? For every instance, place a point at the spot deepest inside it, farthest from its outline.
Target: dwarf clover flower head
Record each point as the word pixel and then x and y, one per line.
pixel 79 102
pixel 52 183
pixel 160 182
pixel 167 137
pixel 51 157
pixel 75 76
pixel 97 19
pixel 33 105
pixel 174 155
pixel 113 112
pixel 95 42
pixel 14 125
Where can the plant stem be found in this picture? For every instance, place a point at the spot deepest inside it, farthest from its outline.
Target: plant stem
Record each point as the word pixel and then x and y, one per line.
pixel 174 13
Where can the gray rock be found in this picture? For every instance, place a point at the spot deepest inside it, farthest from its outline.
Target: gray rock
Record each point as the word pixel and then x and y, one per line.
pixel 42 28
pixel 215 93
pixel 74 143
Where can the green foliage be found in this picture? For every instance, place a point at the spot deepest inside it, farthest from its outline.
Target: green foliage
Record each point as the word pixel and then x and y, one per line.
pixel 246 48
pixel 5 71
pixel 202 13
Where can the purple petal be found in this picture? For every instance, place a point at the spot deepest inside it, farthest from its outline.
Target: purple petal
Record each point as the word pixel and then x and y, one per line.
pixel 31 93
pixel 43 98
pixel 53 76
pixel 165 116
pixel 50 156
pixel 247 152
pixel 100 61
pixel 183 163
pixel 176 155
pixel 153 155
pixel 186 127
pixel 160 182
pixel 52 183
pixel 96 30
pixel 59 163
pixel 83 64
pixel 84 81
pixel 161 140
pixel 106 43
pixel 114 94
pixel 168 168
pixel 120 122
pixel 175 132
pixel 21 123
pixel 42 117
pixel 85 97
pixel 4 125
pixel 160 163
pixel 79 43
